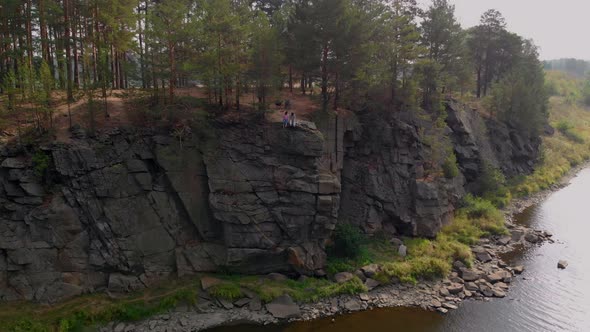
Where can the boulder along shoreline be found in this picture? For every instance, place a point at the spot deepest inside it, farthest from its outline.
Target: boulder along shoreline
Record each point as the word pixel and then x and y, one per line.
pixel 489 277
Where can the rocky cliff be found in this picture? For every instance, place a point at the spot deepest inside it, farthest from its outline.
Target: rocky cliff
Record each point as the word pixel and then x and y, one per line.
pixel 482 142
pixel 129 207
pixel 385 187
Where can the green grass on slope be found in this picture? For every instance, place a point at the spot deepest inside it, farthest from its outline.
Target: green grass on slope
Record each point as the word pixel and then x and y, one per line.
pixel 89 310
pixel 567 148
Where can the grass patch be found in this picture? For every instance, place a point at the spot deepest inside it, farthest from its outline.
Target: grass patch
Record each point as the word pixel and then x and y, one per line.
pixel 306 290
pixel 96 309
pixel 568 130
pixel 227 290
pixel 429 258
pixel 421 267
pixel 483 214
pixel 376 249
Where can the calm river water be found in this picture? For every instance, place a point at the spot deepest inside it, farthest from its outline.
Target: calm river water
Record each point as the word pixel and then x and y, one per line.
pixel 543 298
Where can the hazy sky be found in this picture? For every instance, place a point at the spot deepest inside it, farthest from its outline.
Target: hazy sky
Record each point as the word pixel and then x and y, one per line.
pixel 561 28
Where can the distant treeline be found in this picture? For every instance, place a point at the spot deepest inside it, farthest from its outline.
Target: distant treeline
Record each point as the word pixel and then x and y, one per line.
pixel 576 67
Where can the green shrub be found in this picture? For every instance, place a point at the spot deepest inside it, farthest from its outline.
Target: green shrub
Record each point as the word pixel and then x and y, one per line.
pixel 40 163
pixel 347 241
pixel 450 168
pixel 499 198
pixel 227 290
pixel 337 265
pixel 477 207
pixel 27 325
pixel 483 214
pixel 491 180
pixel 351 287
pixel 411 270
pixel 463 230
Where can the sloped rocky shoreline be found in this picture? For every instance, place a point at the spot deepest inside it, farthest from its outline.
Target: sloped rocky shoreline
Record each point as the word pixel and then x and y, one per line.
pixel 490 277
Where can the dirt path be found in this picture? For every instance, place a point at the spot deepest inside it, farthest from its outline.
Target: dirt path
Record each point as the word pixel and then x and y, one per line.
pixel 302 105
pixel 117 116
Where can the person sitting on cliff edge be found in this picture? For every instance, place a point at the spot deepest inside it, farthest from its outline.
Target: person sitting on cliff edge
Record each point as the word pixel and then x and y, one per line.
pixel 285 119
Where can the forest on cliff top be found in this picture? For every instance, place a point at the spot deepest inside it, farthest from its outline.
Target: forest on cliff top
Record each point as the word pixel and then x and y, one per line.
pixel 392 55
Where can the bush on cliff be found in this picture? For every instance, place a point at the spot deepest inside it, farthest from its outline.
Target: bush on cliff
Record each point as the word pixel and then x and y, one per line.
pixel 450 168
pixel 348 240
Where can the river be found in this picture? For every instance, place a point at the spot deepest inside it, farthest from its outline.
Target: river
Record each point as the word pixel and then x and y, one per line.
pixel 543 298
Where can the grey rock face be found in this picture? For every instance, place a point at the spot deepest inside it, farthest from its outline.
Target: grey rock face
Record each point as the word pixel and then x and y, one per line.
pixel 383 185
pixel 511 151
pixel 132 207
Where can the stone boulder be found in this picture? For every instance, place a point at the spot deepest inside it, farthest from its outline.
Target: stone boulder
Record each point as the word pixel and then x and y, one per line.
pixel 470 274
pixel 343 277
pixel 370 270
pixel 455 288
pixel 208 282
pixel 283 307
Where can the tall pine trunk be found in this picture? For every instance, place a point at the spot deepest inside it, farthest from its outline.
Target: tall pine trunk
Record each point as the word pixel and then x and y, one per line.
pixel 75 40
pixel 29 28
pixel 172 78
pixel 325 77
pixel 68 50
pixel 141 52
pixel 291 78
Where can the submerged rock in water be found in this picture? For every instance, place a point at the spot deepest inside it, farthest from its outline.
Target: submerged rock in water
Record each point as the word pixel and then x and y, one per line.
pixel 518 269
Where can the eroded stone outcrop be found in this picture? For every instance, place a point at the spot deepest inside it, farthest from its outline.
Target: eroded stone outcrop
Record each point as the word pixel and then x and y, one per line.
pixel 276 202
pixel 480 142
pixel 129 207
pixel 384 186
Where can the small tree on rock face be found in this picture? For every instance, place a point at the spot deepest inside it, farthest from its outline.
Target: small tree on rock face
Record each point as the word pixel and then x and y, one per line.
pixel 9 88
pixel 47 85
